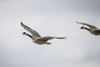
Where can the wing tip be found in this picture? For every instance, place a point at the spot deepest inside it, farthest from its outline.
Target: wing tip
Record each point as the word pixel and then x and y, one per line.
pixel 77 22
pixel 21 23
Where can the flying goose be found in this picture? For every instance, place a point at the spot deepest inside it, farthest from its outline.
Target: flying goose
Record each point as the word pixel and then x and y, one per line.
pixel 36 38
pixel 92 29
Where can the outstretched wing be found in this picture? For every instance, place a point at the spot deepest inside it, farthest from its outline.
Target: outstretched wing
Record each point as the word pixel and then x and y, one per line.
pixel 90 26
pixel 50 37
pixel 33 32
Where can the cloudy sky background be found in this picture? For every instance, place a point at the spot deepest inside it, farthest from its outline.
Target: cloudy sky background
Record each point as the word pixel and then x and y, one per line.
pixel 53 18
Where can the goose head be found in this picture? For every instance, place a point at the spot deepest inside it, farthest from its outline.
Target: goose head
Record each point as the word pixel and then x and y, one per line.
pixel 24 33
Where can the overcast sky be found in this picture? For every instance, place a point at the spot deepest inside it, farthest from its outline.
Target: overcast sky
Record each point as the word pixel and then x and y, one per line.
pixel 53 18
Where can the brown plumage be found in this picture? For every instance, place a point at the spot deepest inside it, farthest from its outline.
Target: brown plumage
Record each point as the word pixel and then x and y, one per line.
pixel 92 29
pixel 36 38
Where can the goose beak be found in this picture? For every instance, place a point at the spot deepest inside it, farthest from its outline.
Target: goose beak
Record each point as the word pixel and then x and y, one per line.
pixel 24 33
pixel 82 28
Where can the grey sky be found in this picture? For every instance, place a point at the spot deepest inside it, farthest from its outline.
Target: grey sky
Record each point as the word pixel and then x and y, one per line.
pixel 49 17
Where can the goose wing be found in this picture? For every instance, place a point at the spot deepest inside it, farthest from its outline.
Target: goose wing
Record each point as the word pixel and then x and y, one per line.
pixel 33 32
pixel 90 26
pixel 50 37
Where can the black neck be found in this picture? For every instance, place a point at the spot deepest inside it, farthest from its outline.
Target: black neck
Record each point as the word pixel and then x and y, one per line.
pixel 87 29
pixel 29 35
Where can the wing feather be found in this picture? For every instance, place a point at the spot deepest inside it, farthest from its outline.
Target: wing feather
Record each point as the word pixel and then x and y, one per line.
pixel 33 32
pixel 90 26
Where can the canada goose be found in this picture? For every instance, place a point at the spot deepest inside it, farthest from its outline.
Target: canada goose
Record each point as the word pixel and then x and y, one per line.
pixel 36 38
pixel 92 29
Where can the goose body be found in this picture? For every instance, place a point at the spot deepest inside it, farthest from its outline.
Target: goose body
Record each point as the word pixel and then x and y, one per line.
pixel 35 36
pixel 92 29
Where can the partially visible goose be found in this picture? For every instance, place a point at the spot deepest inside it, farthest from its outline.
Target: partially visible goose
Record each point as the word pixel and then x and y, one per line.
pixel 36 38
pixel 92 29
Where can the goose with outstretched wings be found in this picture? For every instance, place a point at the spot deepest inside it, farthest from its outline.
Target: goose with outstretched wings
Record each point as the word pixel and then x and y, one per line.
pixel 92 29
pixel 35 36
